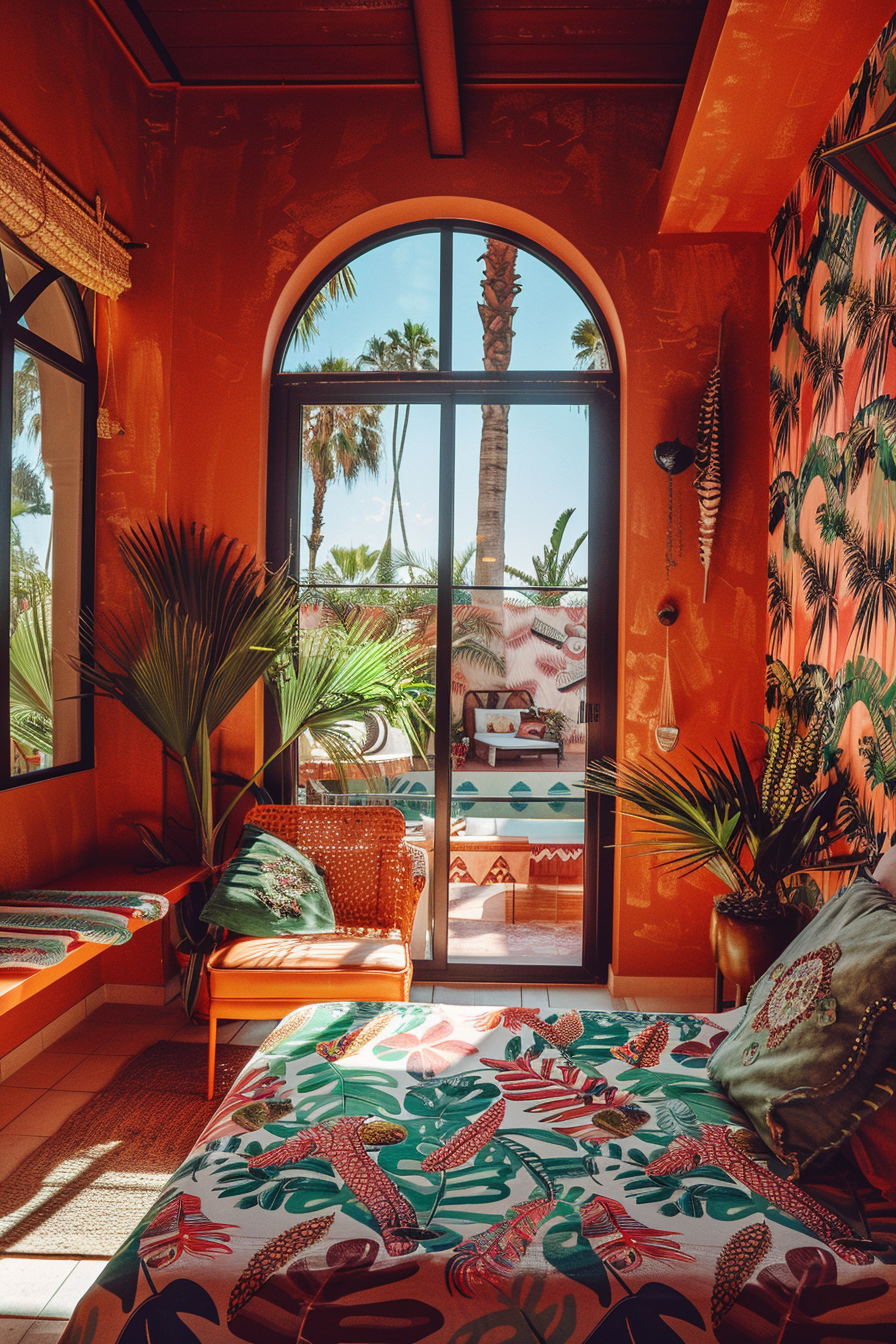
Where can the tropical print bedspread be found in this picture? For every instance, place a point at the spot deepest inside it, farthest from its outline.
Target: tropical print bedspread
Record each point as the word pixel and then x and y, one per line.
pixel 391 1173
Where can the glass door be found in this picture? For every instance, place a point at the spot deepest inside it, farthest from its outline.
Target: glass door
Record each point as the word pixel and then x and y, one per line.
pixel 518 685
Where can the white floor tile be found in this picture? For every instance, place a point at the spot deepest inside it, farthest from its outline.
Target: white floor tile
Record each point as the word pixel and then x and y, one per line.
pixel 498 996
pixel 421 993
pixel 69 1294
pixel 249 1033
pixel 580 996
pixel 27 1284
pixel 535 996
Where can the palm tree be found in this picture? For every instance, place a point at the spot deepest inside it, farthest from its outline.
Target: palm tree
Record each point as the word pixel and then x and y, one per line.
pixel 349 564
pixel 412 348
pixel 336 441
pixel 591 349
pixel 552 566
pixel 820 579
pixel 785 397
pixel 871 579
pixel 871 321
pixel 340 286
pixel 780 606
pixel 824 364
pixel 31 674
pixel 499 289
pixel 26 400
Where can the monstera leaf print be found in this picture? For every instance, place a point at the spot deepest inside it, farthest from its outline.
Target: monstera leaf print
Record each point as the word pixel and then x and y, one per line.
pixel 159 1320
pixel 805 1293
pixel 303 1306
pixel 639 1318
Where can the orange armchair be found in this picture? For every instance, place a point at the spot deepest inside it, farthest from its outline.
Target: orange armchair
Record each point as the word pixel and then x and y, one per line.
pixel 369 876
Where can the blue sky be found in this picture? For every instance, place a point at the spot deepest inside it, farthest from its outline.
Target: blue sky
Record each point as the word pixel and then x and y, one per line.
pixel 547 455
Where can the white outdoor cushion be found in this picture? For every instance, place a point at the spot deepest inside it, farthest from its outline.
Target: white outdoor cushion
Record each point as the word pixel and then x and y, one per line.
pixel 481 826
pixel 509 742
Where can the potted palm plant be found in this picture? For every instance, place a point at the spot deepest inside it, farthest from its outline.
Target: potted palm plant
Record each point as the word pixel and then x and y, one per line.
pixel 761 839
pixel 211 622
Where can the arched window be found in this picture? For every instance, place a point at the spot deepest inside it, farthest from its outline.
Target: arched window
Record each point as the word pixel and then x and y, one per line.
pixel 443 473
pixel 48 408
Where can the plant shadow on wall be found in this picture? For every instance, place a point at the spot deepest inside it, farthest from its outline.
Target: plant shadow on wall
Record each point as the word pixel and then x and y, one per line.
pixel 832 519
pixel 212 621
pixel 761 836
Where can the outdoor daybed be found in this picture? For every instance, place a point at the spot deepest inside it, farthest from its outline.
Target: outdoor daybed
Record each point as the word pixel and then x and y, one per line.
pixel 482 707
pixel 456 1174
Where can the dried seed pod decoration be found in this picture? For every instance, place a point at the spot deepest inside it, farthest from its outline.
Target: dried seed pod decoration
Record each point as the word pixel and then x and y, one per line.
pixel 708 462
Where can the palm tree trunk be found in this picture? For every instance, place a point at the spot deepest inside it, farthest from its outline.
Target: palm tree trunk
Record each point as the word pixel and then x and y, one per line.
pixel 499 289
pixel 397 485
pixel 315 536
pixel 394 479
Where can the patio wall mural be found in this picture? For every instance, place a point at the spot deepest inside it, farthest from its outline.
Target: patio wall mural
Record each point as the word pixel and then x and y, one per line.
pixel 832 558
pixel 541 648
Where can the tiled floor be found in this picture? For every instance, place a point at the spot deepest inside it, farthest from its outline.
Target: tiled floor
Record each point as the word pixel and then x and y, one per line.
pixel 38 1295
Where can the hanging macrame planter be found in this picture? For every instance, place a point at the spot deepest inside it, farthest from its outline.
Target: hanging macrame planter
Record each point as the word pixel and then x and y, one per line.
pixel 666 731
pixel 708 463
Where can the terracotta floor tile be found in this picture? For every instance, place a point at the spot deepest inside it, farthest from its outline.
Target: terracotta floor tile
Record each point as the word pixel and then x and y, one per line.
pixel 149 1015
pixel 14 1100
pixel 117 1013
pixel 27 1284
pixel 131 1040
pixel 197 1033
pixel 44 1070
pixel 45 1332
pixel 46 1115
pixel 14 1148
pixel 92 1074
pixel 83 1040
pixel 13 1328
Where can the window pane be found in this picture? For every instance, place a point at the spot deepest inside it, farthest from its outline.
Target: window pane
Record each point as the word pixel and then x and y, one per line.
pixel 396 284
pixel 548 311
pixel 521 498
pixel 370 493
pixel 518 830
pixel 45 570
pixel 18 270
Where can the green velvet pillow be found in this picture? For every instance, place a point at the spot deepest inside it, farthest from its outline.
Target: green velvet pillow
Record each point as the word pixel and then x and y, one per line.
pixel 269 889
pixel 815 1051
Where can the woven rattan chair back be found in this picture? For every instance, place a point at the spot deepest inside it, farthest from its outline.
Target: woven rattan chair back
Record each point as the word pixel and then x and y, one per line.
pixel 362 853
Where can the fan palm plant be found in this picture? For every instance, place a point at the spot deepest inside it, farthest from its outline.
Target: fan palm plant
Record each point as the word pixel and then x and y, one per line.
pixel 552 577
pixel 760 843
pixel 31 674
pixel 212 621
pixel 590 346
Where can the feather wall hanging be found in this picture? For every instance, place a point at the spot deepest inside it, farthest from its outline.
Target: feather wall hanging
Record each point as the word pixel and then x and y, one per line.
pixel 708 462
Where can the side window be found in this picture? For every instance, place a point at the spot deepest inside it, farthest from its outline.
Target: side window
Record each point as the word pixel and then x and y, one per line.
pixel 47 451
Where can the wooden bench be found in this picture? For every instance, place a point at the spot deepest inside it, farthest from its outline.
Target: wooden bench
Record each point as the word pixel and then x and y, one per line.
pixel 31 1000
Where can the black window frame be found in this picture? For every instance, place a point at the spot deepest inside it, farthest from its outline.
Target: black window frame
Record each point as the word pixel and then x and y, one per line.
pixel 13 336
pixel 599 390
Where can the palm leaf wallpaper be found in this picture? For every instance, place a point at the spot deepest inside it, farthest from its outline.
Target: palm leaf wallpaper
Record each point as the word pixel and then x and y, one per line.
pixel 832 506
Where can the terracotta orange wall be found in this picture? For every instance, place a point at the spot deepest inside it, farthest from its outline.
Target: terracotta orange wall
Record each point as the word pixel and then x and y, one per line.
pixel 234 189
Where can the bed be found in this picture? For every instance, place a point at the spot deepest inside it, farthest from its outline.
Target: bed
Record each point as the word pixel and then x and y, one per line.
pixel 391 1173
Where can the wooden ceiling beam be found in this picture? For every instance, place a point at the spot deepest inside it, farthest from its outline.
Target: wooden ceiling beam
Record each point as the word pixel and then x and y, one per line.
pixel 434 23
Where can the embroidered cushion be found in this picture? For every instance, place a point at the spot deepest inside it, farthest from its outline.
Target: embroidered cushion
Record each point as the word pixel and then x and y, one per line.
pixel 533 728
pixel 488 720
pixel 270 889
pixel 815 1052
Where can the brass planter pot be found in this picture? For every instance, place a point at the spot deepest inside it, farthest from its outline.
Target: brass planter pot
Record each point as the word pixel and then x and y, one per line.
pixel 745 948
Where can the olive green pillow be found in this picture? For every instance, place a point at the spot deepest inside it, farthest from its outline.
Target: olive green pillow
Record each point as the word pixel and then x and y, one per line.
pixel 269 888
pixel 815 1051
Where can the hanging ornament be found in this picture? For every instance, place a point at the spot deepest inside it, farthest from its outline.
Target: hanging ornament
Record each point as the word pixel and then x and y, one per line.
pixel 672 457
pixel 708 462
pixel 106 426
pixel 666 731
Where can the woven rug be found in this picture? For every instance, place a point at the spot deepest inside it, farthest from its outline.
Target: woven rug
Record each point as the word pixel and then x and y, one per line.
pixel 81 1192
